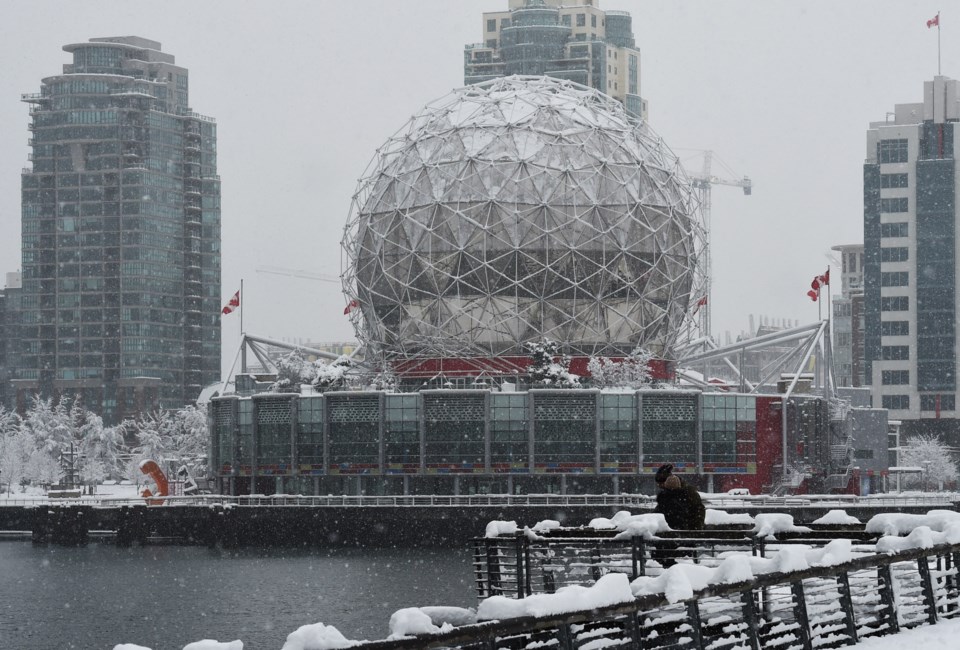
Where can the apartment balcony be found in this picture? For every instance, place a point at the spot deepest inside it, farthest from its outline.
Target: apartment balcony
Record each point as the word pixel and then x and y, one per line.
pixel 34 98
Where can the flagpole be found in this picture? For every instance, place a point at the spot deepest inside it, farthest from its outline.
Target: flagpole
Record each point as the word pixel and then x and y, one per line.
pixel 938 42
pixel 243 341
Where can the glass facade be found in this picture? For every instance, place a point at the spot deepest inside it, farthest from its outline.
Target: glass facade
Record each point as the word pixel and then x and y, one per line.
pixel 478 441
pixel 121 234
pixel 670 431
pixel 509 433
pixel 729 432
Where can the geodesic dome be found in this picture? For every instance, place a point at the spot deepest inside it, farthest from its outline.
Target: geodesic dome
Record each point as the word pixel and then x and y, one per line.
pixel 515 210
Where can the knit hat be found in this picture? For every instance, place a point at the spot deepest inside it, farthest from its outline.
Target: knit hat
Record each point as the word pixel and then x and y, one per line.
pixel 663 473
pixel 672 482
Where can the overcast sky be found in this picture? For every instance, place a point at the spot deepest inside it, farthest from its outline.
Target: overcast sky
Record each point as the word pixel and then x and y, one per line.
pixel 305 91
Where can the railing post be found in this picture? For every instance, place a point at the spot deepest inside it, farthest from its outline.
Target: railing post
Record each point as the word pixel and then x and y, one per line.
pixel 693 614
pixel 748 605
pixel 518 545
pixel 926 580
pixel 800 614
pixel 494 577
pixel 565 637
pixel 635 630
pixel 846 604
pixel 889 612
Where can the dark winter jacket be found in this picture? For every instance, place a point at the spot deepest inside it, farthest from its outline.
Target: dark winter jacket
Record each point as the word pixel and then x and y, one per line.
pixel 682 507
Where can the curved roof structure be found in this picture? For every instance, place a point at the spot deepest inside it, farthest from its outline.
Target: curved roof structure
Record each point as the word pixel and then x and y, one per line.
pixel 519 209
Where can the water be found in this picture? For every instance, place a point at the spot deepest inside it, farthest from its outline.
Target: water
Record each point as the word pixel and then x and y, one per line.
pixel 164 597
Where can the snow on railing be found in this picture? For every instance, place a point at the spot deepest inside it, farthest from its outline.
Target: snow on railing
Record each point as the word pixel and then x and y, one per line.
pixel 822 602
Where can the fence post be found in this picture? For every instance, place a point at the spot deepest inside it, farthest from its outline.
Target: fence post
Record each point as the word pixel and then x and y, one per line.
pixel 635 630
pixel 494 579
pixel 888 614
pixel 526 558
pixel 749 607
pixel 693 614
pixel 927 581
pixel 483 581
pixel 520 568
pixel 800 614
pixel 565 637
pixel 846 604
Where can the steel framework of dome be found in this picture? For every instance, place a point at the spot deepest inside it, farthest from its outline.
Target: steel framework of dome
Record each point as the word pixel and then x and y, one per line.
pixel 520 209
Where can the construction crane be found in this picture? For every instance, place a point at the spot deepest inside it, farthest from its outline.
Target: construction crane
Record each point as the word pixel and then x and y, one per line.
pixel 703 183
pixel 298 273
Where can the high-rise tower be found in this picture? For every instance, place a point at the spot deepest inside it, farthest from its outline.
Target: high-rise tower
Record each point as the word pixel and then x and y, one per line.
pixel 120 301
pixel 910 217
pixel 568 39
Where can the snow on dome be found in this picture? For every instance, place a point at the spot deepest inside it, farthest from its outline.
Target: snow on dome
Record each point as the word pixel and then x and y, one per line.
pixel 519 209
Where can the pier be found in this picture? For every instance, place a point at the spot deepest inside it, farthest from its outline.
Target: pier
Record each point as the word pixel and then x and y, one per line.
pixel 287 520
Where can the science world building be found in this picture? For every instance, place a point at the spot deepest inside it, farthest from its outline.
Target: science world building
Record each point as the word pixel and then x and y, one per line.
pixel 506 213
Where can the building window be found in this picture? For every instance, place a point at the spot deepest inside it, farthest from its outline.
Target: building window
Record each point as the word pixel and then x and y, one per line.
pixel 929 402
pixel 895 279
pixel 863 454
pixel 842 309
pixel 900 204
pixel 491 24
pixel 581 20
pixel 492 43
pixel 593 20
pixel 895 352
pixel 893 151
pixel 844 339
pixel 895 303
pixel 504 23
pixel 894 254
pixel 895 402
pixel 894 180
pixel 894 328
pixel 565 20
pixel 898 229
pixel 894 377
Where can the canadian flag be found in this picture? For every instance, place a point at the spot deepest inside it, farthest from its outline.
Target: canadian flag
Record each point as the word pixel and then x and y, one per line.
pixel 934 22
pixel 350 306
pixel 818 282
pixel 232 304
pixel 700 303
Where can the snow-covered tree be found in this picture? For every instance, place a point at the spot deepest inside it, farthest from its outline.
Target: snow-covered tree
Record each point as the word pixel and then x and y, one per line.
pixel 929 453
pixel 15 456
pixel 55 427
pixel 544 370
pixel 292 371
pixel 170 437
pixel 333 374
pixel 633 371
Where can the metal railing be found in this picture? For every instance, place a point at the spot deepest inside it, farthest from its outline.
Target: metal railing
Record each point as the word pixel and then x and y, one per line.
pixel 824 606
pixel 519 565
pixel 637 501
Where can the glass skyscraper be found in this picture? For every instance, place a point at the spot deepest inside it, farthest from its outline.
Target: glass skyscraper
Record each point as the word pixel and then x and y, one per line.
pixel 572 40
pixel 121 234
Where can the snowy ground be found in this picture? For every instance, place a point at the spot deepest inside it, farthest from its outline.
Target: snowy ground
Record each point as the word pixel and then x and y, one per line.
pixel 942 636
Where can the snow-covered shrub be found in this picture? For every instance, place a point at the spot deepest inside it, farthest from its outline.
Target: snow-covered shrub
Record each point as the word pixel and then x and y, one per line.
pixel 331 375
pixel 633 371
pixel 544 370
pixel 292 371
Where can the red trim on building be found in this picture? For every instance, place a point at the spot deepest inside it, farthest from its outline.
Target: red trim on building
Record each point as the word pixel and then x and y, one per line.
pixel 660 369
